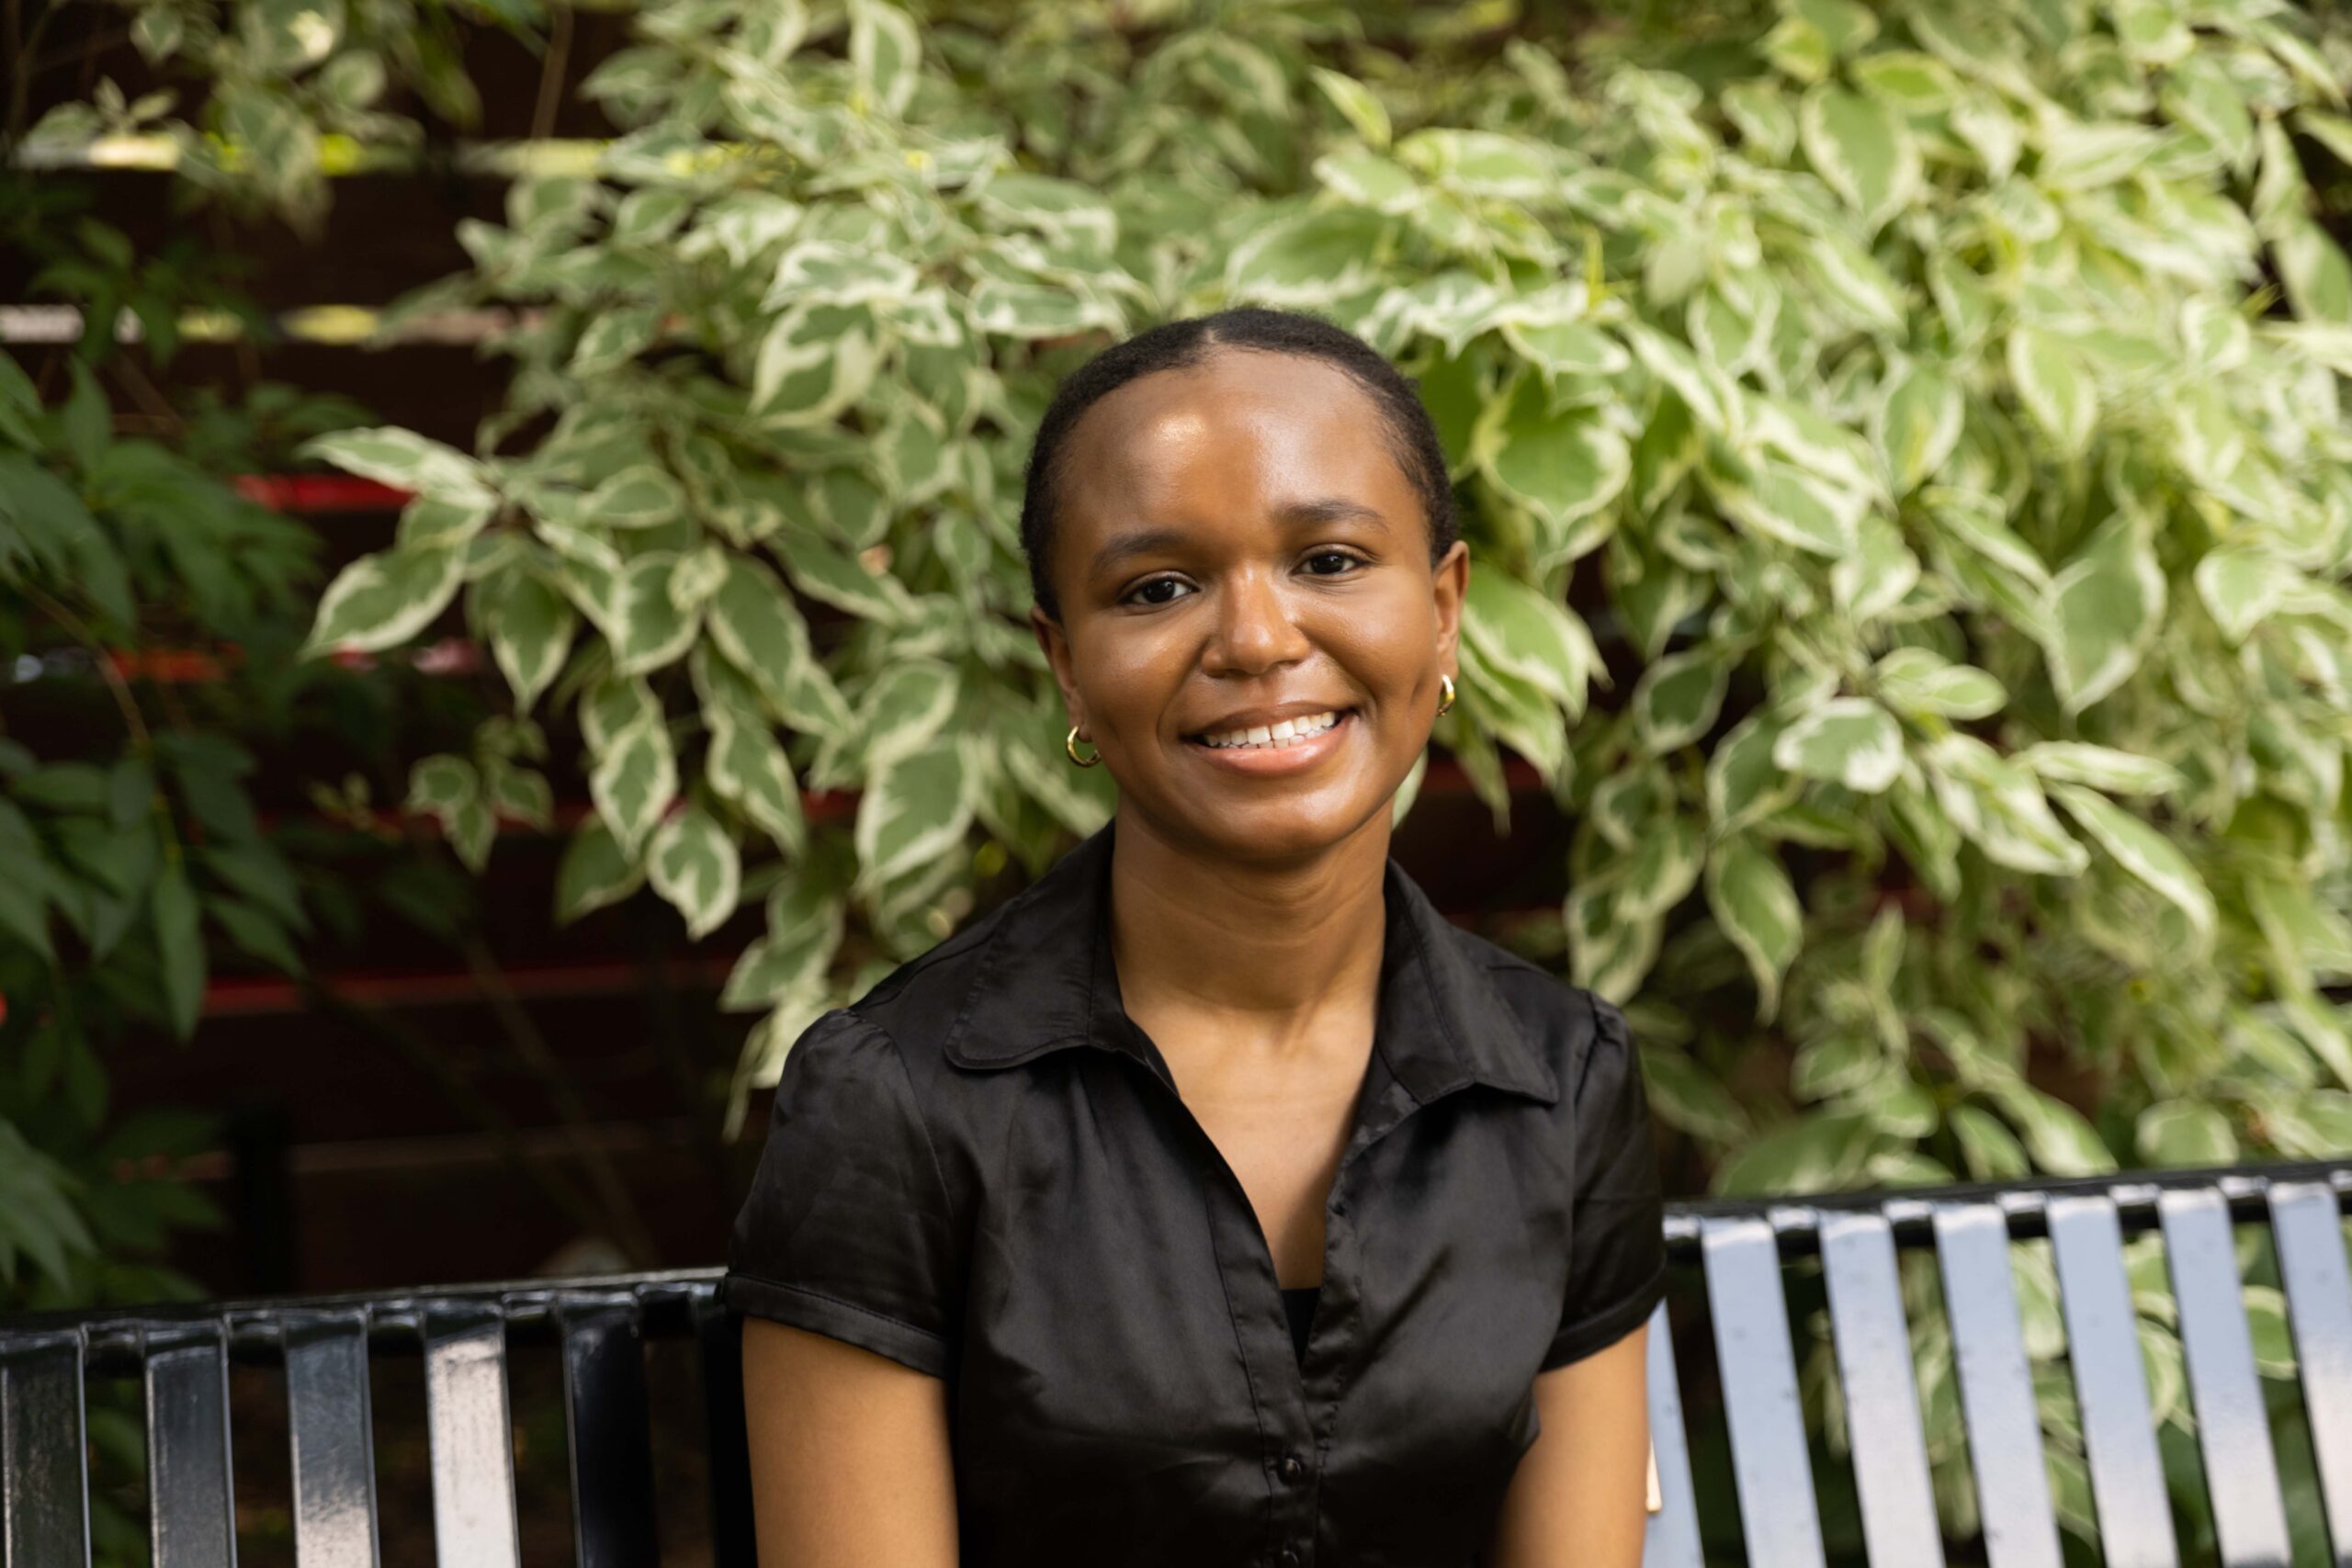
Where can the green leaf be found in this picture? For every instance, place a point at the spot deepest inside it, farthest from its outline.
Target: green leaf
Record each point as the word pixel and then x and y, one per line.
pixel 380 600
pixel 1309 258
pixel 2105 608
pixel 37 1214
pixel 2185 1133
pixel 1678 697
pixel 1532 636
pixel 650 631
pixel 180 945
pixel 2055 386
pixel 747 767
pixel 1364 178
pixel 596 872
pixel 531 631
pixel 692 864
pixel 755 623
pixel 885 53
pixel 1991 1151
pixel 1744 783
pixel 1357 103
pixel 1782 502
pixel 1562 466
pixel 913 810
pixel 441 786
pixel 2061 1141
pixel 813 362
pixel 1030 310
pixel 1818 1152
pixel 905 709
pixel 1863 148
pixel 2242 584
pixel 2102 768
pixel 2143 851
pixel 1756 908
pixel 1847 740
pixel 2313 267
pixel 823 570
pixel 641 496
pixel 1879 576
pixel 2000 806
pixel 1916 423
pixel 407 462
pixel 634 780
pixel 1916 681
pixel 1760 111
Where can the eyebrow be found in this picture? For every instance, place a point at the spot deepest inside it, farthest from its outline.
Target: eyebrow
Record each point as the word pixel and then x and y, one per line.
pixel 1121 548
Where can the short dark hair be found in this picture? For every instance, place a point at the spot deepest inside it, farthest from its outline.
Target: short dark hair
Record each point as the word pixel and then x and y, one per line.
pixel 1412 435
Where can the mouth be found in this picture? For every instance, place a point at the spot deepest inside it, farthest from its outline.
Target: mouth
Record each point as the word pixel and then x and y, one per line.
pixel 1279 748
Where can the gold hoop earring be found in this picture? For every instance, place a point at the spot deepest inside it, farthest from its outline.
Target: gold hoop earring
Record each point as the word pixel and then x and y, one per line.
pixel 1445 689
pixel 1069 744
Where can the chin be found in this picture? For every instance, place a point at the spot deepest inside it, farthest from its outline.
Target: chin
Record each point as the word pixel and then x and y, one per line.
pixel 1275 831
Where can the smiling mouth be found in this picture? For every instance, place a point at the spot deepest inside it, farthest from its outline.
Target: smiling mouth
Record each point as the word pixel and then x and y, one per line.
pixel 1272 737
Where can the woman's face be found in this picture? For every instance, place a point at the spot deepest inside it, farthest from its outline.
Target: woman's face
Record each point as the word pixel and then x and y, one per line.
pixel 1236 544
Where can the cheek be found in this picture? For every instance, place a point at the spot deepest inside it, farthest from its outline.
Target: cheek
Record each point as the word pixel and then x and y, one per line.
pixel 1386 641
pixel 1128 678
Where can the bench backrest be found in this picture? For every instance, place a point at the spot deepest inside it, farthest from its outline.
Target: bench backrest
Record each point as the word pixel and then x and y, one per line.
pixel 1740 1250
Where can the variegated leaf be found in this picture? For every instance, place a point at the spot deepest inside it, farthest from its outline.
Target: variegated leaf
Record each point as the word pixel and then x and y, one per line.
pixel 1847 740
pixel 2143 851
pixel 692 864
pixel 1757 908
pixel 381 600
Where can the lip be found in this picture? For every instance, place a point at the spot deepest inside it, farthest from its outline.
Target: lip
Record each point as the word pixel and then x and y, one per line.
pixel 1274 760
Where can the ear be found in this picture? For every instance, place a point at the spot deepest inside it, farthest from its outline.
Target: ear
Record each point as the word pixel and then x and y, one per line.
pixel 1056 644
pixel 1450 580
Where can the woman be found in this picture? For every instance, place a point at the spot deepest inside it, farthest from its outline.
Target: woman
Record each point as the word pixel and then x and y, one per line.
pixel 1336 1242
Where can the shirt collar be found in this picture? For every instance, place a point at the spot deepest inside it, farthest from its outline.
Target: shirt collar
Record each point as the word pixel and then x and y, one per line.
pixel 1047 980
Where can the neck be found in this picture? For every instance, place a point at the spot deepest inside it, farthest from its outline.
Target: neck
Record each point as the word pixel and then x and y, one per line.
pixel 1258 951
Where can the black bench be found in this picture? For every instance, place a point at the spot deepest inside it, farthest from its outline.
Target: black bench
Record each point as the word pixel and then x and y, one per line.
pixel 1742 1251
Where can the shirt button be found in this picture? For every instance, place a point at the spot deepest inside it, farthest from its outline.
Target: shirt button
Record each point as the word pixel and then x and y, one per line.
pixel 1293 1468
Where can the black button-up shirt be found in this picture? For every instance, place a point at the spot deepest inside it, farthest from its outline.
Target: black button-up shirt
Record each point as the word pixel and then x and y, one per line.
pixel 983 1169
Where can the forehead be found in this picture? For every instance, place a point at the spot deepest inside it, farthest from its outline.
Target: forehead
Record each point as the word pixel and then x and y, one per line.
pixel 1242 426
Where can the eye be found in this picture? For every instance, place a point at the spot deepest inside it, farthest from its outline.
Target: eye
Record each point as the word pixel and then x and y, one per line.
pixel 1134 595
pixel 1338 556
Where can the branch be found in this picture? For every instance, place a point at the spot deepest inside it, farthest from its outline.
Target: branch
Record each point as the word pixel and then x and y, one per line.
pixel 636 1238
pixel 131 717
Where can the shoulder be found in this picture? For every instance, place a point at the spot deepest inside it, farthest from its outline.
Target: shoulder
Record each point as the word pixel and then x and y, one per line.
pixel 919 1000
pixel 1576 1029
pixel 921 1005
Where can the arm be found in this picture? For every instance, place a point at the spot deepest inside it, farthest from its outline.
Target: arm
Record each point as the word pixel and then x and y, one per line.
pixel 1578 1496
pixel 850 1454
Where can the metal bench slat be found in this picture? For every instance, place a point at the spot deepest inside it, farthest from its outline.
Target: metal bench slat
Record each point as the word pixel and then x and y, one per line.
pixel 2112 1386
pixel 610 1431
pixel 1773 1471
pixel 2308 1226
pixel 331 1437
pixel 190 1487
pixel 1995 1386
pixel 1874 1344
pixel 44 1478
pixel 2232 1428
pixel 472 1435
pixel 721 1331
pixel 1671 1537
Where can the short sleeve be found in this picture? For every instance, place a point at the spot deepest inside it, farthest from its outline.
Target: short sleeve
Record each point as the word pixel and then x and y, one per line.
pixel 846 1231
pixel 1617 1251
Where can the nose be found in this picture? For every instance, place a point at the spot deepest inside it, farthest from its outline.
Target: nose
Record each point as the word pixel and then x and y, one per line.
pixel 1255 628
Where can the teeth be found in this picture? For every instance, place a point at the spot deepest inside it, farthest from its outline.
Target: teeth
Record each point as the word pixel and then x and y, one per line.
pixel 1284 733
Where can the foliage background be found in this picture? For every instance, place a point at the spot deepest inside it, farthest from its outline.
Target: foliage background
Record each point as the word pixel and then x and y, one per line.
pixel 1900 445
